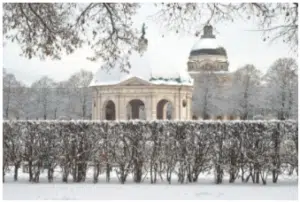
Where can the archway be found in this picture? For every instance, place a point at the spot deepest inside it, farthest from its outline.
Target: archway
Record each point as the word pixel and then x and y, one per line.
pixel 110 111
pixel 164 110
pixel 136 109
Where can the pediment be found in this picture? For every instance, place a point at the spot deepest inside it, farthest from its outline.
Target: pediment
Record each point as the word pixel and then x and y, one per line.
pixel 135 81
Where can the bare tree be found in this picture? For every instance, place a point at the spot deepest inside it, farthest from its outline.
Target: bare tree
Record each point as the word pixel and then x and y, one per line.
pixel 274 20
pixel 10 92
pixel 282 79
pixel 244 90
pixel 43 89
pixel 81 95
pixel 50 29
pixel 205 91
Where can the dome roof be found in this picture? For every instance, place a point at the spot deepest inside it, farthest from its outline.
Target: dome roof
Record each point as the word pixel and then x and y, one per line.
pixel 140 67
pixel 207 44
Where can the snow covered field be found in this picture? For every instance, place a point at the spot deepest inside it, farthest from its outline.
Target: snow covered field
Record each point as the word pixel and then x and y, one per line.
pixel 285 189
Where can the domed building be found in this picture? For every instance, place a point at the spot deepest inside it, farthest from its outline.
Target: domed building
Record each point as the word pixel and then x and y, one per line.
pixel 141 95
pixel 207 55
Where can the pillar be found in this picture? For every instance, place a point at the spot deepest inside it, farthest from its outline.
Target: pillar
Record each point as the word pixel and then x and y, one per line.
pixel 99 108
pixel 118 106
pixel 123 105
pixel 153 104
pixel 148 108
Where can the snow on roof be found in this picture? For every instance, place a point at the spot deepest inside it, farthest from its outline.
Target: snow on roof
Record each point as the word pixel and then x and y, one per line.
pixel 171 81
pixel 172 78
pixel 154 80
pixel 140 67
pixel 206 43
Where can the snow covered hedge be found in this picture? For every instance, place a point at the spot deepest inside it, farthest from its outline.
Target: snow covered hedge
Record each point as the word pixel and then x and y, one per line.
pixel 160 149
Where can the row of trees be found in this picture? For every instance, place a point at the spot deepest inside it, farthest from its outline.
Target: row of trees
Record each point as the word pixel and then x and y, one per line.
pixel 47 99
pixel 247 92
pixel 251 150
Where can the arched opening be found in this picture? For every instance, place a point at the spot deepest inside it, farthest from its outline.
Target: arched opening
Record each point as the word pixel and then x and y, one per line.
pixel 164 110
pixel 136 110
pixel 219 117
pixel 110 111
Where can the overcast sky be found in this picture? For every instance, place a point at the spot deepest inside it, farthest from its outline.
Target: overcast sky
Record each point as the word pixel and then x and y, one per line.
pixel 169 53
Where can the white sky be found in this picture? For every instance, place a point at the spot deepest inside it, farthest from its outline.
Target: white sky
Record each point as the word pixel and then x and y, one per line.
pixel 166 54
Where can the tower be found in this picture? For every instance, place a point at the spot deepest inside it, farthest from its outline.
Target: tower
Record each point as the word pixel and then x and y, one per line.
pixel 207 55
pixel 208 66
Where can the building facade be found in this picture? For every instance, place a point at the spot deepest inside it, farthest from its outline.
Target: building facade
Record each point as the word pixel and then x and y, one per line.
pixel 139 95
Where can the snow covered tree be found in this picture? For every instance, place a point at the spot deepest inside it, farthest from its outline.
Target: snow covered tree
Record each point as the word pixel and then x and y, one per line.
pixel 276 21
pixel 81 95
pixel 282 78
pixel 43 96
pixel 48 30
pixel 205 95
pixel 185 149
pixel 244 90
pixel 15 148
pixel 11 91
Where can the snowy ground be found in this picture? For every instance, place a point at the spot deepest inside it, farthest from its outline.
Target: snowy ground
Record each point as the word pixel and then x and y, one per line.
pixel 286 188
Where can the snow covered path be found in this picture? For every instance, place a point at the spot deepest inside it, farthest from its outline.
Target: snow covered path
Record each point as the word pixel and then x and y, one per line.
pixel 204 189
pixel 101 191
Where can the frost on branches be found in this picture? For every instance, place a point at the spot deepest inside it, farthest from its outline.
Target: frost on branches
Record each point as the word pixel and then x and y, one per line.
pixel 160 150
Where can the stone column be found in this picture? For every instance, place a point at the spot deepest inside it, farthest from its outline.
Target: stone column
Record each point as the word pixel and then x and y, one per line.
pixel 94 99
pixel 123 105
pixel 99 112
pixel 148 108
pixel 117 105
pixel 190 108
pixel 176 110
pixel 153 104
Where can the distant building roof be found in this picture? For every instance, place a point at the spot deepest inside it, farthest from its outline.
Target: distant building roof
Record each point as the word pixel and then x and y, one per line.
pixel 207 44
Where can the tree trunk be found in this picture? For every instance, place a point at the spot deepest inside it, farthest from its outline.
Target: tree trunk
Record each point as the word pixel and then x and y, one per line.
pixel 108 168
pixel 274 176
pixel 219 173
pixel 96 172
pixel 257 177
pixel 151 174
pixel 17 166
pixel 190 174
pixel 155 172
pixel 3 173
pixel 30 170
pixel 65 175
pixel 242 167
pixel 50 174
pixel 169 175
pixel 276 157
pixel 263 180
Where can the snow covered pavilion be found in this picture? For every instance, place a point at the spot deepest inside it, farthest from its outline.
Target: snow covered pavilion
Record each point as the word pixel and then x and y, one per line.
pixel 140 95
